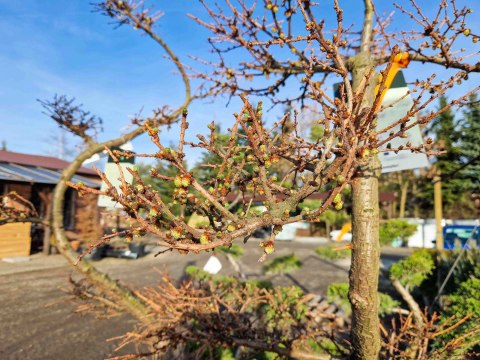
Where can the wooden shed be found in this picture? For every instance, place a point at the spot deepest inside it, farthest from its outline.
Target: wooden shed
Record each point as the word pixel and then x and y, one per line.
pixel 34 177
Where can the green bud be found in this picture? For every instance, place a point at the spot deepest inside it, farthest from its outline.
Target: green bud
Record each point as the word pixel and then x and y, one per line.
pixel 337 199
pixel 339 205
pixel 204 239
pixel 176 233
pixel 177 181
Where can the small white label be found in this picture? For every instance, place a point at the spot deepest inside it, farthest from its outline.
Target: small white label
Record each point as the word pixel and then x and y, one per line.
pixel 213 265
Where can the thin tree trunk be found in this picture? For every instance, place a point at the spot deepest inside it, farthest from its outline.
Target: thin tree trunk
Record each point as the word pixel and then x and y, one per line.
pixel 123 296
pixel 364 270
pixel 414 347
pixel 412 304
pixel 403 198
pixel 236 266
pixel 416 207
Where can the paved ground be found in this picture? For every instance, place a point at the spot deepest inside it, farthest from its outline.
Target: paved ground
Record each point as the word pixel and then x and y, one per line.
pixel 38 321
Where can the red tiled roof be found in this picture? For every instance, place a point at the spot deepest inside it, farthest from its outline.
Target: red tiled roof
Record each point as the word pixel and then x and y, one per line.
pixel 48 162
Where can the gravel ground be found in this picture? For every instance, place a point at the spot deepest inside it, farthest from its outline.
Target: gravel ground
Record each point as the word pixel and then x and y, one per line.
pixel 37 318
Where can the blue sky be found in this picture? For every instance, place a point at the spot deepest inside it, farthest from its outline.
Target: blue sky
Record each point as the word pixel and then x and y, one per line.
pixel 60 47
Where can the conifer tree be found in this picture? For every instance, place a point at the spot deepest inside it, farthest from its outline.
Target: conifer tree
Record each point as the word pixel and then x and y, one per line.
pixel 470 144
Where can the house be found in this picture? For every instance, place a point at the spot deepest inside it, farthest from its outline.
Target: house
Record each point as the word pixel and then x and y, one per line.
pixel 34 177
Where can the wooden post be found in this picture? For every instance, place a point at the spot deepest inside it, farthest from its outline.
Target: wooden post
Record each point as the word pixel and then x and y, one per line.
pixel 437 198
pixel 476 200
pixel 403 198
pixel 46 197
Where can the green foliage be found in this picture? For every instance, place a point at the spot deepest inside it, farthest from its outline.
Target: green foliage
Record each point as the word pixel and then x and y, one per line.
pixel 280 313
pixel 447 135
pixel 217 353
pixel 463 302
pixel 337 293
pixel 413 270
pixel 201 275
pixel 286 299
pixel 334 218
pixel 467 267
pixel 329 253
pixel 165 188
pixel 470 143
pixel 235 250
pixel 460 299
pixel 460 139
pixel 396 229
pixel 207 174
pixel 326 346
pixel 466 299
pixel 316 132
pixel 224 354
pixel 386 304
pixel 283 265
pixel 267 355
pixel 311 205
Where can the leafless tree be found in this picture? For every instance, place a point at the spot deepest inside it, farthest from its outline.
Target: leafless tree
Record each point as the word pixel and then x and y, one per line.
pixel 270 33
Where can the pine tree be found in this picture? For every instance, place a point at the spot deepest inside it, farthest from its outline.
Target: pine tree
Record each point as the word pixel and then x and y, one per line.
pixel 445 129
pixel 470 144
pixel 165 188
pixel 207 167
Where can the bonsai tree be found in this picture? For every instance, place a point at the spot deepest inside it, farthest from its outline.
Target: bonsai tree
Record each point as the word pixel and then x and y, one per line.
pixel 360 57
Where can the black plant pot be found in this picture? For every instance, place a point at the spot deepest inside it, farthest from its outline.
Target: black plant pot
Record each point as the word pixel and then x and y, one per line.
pixel 96 254
pixel 137 248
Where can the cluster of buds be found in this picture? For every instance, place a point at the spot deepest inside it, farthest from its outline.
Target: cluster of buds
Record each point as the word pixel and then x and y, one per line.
pixel 338 202
pixel 166 154
pixel 182 182
pixel 271 6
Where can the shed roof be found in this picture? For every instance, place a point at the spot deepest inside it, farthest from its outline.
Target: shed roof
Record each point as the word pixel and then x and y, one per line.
pixel 48 162
pixel 40 169
pixel 39 175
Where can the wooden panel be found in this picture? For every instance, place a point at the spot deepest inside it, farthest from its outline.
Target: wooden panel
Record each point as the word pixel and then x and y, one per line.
pixel 15 240
pixel 87 220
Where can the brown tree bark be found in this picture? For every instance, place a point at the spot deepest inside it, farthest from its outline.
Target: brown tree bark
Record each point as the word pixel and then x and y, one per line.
pixel 408 298
pixel 364 270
